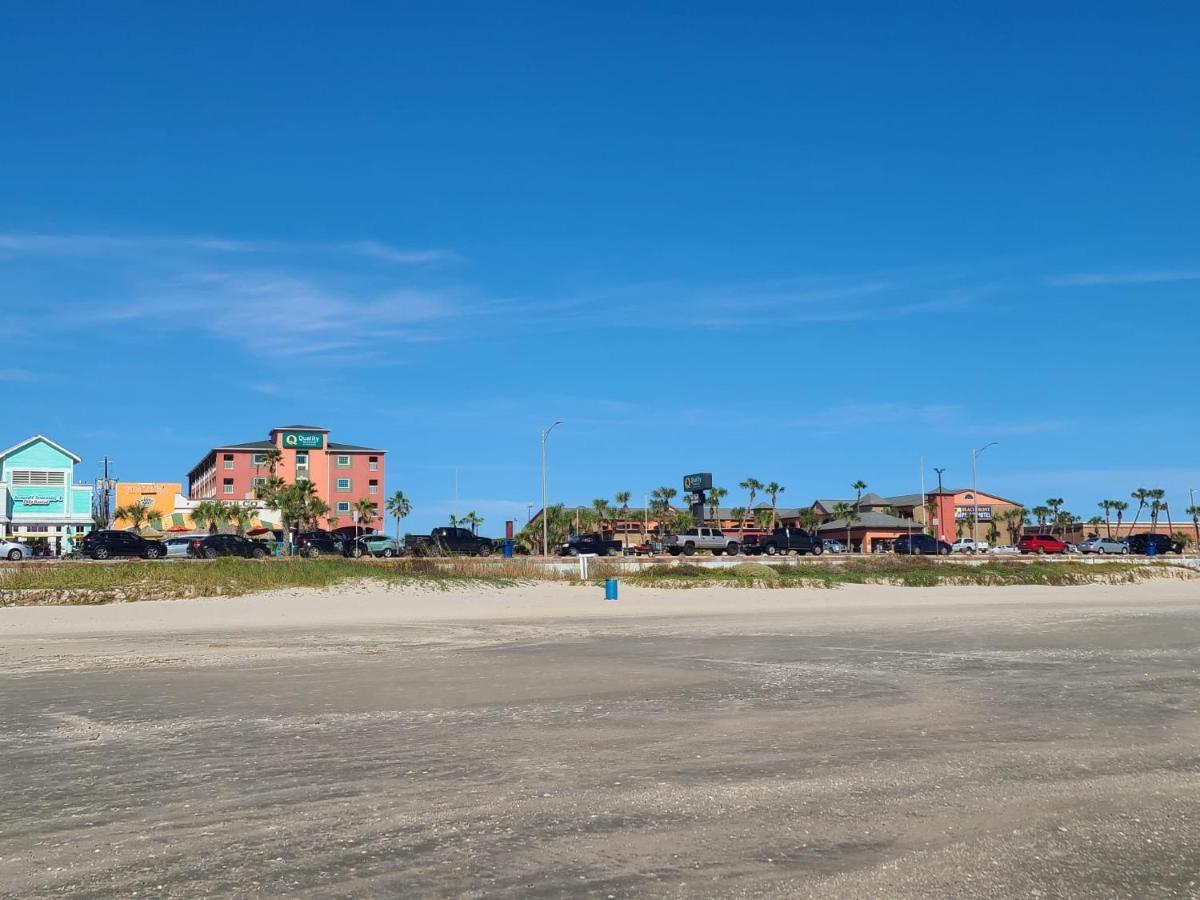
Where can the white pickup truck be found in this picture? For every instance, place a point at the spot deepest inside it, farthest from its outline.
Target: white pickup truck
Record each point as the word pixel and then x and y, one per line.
pixel 694 539
pixel 966 545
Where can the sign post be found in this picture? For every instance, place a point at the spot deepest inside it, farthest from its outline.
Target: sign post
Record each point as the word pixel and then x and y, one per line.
pixel 696 485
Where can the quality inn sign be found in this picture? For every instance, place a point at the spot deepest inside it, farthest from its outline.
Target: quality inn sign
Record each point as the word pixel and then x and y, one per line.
pixel 303 440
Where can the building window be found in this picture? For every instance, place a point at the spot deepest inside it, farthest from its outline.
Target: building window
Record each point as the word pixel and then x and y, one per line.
pixel 227 486
pixel 343 462
pixel 343 484
pixel 301 459
pixel 228 460
pixel 373 463
pixel 260 459
pixel 343 506
pixel 258 481
pixel 373 486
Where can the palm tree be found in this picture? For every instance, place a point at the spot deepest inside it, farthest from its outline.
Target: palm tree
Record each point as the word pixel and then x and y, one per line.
pixel 850 514
pixel 314 509
pixel 1166 507
pixel 807 519
pixel 715 496
pixel 1141 495
pixel 1194 512
pixel 601 509
pixel 1041 513
pixel 858 487
pixel 763 519
pixel 272 458
pixel 210 514
pixel 1015 520
pixel 472 519
pixel 773 490
pixel 753 485
pixel 738 513
pixel 1119 507
pixel 661 503
pixel 455 520
pixel 1055 504
pixel 1155 496
pixel 135 513
pixel 241 515
pixel 399 507
pixel 1106 505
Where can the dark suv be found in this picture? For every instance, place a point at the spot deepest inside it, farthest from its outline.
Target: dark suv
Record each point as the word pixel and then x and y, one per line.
pixel 1163 543
pixel 319 543
pixel 920 545
pixel 225 545
pixel 781 540
pixel 107 544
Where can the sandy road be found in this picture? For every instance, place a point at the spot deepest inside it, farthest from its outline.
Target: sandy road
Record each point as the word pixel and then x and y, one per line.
pixel 866 741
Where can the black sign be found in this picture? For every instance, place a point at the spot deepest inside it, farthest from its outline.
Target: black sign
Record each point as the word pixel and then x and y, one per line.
pixel 701 481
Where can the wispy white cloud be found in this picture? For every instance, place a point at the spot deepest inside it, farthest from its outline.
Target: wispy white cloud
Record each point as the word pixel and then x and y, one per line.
pixel 96 245
pixel 284 315
pixel 1141 276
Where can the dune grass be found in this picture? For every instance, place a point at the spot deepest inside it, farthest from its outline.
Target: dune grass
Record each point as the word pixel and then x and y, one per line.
pixel 908 572
pixel 90 583
pixel 30 584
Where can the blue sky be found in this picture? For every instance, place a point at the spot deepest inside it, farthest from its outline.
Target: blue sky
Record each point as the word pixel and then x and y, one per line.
pixel 804 244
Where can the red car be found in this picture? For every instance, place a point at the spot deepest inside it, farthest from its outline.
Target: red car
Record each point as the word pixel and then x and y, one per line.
pixel 1041 544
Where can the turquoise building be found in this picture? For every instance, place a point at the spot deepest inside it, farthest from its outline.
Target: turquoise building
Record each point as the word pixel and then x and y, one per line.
pixel 38 494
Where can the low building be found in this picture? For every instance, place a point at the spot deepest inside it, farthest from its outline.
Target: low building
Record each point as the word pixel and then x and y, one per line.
pixel 39 497
pixel 342 474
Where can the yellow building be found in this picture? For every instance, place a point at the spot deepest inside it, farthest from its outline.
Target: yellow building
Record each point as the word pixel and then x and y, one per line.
pixel 157 496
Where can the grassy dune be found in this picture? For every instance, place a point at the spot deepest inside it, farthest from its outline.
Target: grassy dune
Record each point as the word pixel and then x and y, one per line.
pixel 85 583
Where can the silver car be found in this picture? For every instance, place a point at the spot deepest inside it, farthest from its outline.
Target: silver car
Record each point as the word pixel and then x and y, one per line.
pixel 381 545
pixel 694 539
pixel 1102 545
pixel 177 547
pixel 12 550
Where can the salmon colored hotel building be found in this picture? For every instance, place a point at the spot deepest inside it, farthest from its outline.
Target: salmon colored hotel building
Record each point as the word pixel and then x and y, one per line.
pixel 342 474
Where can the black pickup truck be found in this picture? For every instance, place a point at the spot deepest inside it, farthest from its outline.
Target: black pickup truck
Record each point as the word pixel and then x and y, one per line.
pixel 590 543
pixel 447 541
pixel 782 540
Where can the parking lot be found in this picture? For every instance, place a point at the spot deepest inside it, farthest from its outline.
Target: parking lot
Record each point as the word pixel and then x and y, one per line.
pixel 871 741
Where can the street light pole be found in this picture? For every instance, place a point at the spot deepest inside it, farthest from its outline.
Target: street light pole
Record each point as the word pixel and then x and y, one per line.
pixel 975 491
pixel 935 527
pixel 545 524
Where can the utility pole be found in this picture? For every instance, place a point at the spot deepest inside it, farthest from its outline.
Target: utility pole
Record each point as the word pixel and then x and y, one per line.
pixel 938 505
pixel 545 524
pixel 106 486
pixel 975 491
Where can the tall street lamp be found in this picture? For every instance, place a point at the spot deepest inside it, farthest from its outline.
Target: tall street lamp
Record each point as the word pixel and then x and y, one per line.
pixel 545 524
pixel 975 491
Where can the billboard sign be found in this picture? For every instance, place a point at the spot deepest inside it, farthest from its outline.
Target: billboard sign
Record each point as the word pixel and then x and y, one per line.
pixel 701 481
pixel 968 512
pixel 303 440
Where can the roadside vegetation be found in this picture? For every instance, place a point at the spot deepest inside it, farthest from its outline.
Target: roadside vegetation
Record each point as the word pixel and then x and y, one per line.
pixel 32 584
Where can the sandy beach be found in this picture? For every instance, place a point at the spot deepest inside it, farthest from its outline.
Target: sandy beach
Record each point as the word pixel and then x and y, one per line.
pixel 538 740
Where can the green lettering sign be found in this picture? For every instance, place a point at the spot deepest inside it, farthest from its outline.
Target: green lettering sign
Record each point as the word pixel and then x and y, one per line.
pixel 303 440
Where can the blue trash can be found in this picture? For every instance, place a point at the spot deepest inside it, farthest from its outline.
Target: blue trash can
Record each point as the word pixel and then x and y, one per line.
pixel 610 589
pixel 1151 548
pixel 508 548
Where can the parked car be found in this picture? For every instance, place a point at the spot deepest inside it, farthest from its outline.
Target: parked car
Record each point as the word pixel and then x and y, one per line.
pixel 13 550
pixel 319 543
pixel 1163 543
pixel 1041 544
pixel 920 545
pixel 381 545
pixel 967 545
pixel 177 547
pixel 785 540
pixel 215 545
pixel 1102 545
pixel 446 541
pixel 1004 549
pixel 590 543
pixel 694 539
pixel 832 545
pixel 107 544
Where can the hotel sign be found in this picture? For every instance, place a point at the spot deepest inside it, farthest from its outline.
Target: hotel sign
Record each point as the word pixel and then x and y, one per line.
pixel 968 512
pixel 303 440
pixel 701 481
pixel 39 499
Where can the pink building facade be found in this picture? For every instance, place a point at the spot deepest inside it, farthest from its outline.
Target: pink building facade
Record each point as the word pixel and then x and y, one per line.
pixel 342 474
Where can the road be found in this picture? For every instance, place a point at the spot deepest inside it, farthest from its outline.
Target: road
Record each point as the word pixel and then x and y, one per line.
pixel 954 748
